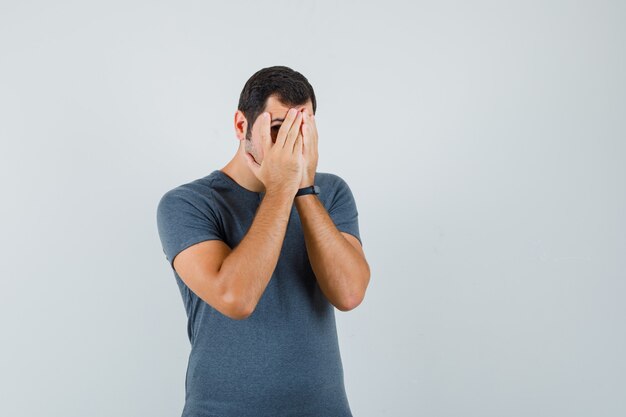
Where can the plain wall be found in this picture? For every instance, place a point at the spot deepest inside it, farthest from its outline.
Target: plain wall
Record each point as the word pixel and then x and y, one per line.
pixel 484 143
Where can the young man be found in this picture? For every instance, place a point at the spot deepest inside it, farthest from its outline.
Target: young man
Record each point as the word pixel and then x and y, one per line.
pixel 262 251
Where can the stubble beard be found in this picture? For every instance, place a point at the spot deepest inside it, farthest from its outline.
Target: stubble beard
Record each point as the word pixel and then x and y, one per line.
pixel 249 147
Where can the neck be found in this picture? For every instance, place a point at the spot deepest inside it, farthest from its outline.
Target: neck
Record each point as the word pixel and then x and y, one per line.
pixel 237 168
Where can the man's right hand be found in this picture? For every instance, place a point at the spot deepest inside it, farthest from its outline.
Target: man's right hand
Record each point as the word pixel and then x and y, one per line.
pixel 283 162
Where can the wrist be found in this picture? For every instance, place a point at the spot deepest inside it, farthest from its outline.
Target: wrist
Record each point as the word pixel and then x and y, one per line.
pixel 310 190
pixel 282 194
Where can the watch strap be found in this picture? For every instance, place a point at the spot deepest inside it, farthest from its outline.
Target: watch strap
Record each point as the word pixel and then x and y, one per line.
pixel 311 189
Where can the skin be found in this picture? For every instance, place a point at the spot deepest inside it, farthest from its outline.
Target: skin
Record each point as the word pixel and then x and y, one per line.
pixel 237 167
pixel 336 257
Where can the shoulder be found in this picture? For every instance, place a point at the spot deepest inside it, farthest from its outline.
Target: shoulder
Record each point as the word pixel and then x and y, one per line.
pixel 330 180
pixel 180 194
pixel 334 190
pixel 332 183
pixel 197 193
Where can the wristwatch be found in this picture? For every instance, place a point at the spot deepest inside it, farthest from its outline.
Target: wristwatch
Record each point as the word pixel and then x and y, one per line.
pixel 311 189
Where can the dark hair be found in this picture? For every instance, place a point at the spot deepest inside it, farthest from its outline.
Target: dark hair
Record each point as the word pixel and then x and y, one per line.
pixel 290 88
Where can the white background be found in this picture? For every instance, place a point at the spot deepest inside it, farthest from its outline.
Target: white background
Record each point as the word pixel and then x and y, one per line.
pixel 484 143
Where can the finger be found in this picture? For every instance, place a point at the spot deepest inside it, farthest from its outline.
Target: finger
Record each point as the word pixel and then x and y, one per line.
pixel 297 146
pixel 312 127
pixel 305 130
pixel 284 128
pixel 312 121
pixel 293 132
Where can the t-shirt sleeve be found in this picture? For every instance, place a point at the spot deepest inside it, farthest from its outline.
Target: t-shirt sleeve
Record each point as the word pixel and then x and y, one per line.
pixel 183 221
pixel 343 210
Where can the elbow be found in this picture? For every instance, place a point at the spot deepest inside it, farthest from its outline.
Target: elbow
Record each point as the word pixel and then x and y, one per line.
pixel 344 307
pixel 236 311
pixel 240 315
pixel 350 304
pixel 356 298
pixel 232 302
pixel 236 308
pixel 238 300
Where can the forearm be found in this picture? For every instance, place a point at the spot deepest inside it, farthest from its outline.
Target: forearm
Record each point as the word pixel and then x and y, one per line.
pixel 248 268
pixel 341 271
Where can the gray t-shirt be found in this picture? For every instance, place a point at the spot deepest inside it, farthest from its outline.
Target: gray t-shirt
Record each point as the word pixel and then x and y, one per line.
pixel 283 360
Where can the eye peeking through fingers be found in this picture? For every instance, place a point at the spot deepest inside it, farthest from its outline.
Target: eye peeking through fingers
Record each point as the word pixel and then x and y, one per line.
pixel 274 132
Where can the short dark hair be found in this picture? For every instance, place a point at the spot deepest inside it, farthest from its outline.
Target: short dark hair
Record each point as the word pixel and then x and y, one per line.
pixel 290 88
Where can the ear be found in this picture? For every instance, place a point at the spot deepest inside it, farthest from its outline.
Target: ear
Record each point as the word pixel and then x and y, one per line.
pixel 241 125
